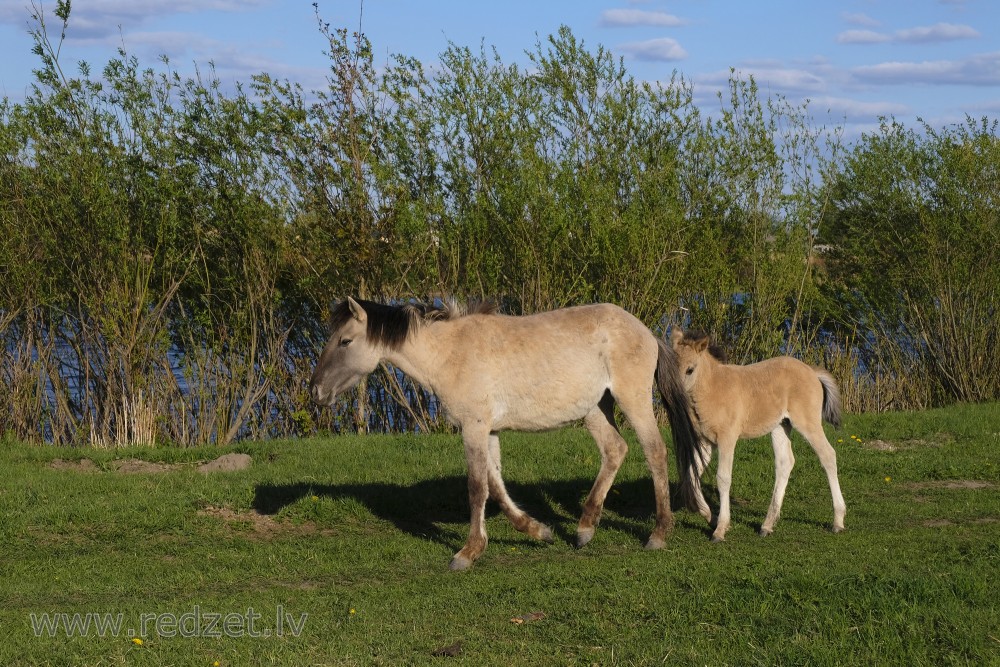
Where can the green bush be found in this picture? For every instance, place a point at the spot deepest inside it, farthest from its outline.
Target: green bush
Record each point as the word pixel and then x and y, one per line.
pixel 170 247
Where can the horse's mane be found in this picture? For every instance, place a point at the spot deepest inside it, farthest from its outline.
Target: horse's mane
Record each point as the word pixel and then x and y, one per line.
pixel 714 348
pixel 391 325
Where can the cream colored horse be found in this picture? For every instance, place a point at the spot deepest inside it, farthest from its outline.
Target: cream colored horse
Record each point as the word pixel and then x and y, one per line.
pixel 774 396
pixel 494 372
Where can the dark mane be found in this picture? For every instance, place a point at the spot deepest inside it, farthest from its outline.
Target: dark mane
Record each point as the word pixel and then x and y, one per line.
pixel 714 348
pixel 390 325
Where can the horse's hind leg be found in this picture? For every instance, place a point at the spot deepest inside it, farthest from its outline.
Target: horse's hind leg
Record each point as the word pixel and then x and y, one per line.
pixel 784 461
pixel 639 410
pixel 498 491
pixel 816 437
pixel 601 424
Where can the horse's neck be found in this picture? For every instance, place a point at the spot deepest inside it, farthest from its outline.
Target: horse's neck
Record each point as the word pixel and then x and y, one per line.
pixel 713 373
pixel 416 356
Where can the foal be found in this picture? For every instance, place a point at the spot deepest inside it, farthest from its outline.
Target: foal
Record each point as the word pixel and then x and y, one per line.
pixel 773 396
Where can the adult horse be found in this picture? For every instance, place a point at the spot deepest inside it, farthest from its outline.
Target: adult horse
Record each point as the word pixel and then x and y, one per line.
pixel 494 372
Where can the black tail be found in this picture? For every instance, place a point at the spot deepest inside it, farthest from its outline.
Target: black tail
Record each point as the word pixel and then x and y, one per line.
pixel 675 400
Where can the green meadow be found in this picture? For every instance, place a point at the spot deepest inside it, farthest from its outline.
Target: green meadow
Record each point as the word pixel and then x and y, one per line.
pixel 334 551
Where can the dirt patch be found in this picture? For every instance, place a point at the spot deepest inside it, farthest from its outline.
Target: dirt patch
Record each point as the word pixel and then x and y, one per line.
pixel 259 523
pixel 880 446
pixel 973 484
pixel 944 523
pixel 227 463
pixel 936 440
pixel 83 465
pixel 133 466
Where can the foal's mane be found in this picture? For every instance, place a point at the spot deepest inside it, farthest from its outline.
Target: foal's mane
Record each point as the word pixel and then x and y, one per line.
pixel 391 325
pixel 714 348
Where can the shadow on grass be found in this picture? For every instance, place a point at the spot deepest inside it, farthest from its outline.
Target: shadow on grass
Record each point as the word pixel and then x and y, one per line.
pixel 420 509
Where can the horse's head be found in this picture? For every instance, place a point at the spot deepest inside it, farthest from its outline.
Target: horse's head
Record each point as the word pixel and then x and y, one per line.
pixel 693 353
pixel 348 356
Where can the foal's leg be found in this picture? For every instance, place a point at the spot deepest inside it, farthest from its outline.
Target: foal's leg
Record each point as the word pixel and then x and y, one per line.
pixel 477 457
pixel 601 424
pixel 724 479
pixel 705 447
pixel 828 458
pixel 784 460
pixel 639 410
pixel 498 491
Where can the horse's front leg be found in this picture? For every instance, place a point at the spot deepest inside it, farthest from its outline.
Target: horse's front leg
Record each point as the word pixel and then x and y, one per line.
pixel 705 450
pixel 724 478
pixel 477 458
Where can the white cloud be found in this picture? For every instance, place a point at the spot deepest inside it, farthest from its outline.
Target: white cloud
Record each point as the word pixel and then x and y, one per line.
pixel 787 81
pixel 103 18
pixel 978 70
pixel 939 32
pixel 660 49
pixel 862 37
pixel 856 110
pixel 622 18
pixel 860 20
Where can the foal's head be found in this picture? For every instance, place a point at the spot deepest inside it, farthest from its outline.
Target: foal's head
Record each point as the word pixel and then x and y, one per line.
pixel 695 350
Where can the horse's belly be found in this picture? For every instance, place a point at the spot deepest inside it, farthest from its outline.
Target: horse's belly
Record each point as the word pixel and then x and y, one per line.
pixel 539 411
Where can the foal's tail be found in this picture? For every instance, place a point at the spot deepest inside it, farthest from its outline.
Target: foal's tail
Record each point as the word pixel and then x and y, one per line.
pixel 675 400
pixel 831 397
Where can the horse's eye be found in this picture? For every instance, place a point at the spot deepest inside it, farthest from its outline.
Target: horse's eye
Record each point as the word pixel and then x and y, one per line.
pixel 689 371
pixel 345 342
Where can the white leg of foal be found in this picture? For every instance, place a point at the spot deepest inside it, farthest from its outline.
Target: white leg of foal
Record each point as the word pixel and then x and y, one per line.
pixel 724 478
pixel 784 460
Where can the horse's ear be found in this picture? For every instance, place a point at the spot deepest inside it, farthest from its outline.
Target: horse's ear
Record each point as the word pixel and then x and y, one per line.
pixel 701 344
pixel 676 336
pixel 357 311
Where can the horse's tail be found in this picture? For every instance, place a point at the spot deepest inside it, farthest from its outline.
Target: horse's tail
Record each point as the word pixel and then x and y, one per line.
pixel 675 400
pixel 831 397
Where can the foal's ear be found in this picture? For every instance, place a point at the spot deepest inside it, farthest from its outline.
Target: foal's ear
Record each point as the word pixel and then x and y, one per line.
pixel 700 344
pixel 676 336
pixel 357 311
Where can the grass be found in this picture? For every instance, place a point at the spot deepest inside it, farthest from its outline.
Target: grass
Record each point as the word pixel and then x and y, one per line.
pixel 357 532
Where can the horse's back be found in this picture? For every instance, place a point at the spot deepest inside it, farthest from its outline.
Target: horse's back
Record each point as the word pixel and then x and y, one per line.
pixel 796 381
pixel 547 369
pixel 764 393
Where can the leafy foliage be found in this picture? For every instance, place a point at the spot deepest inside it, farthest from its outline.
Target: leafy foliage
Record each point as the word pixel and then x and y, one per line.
pixel 170 246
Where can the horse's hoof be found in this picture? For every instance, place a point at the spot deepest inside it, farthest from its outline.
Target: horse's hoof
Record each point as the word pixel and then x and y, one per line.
pixel 655 543
pixel 583 536
pixel 764 532
pixel 716 539
pixel 838 529
pixel 545 534
pixel 459 563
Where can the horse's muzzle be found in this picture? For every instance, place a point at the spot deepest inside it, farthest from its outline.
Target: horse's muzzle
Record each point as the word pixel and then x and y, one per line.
pixel 320 396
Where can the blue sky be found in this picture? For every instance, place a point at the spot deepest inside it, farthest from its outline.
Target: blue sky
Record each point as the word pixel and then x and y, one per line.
pixel 854 59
